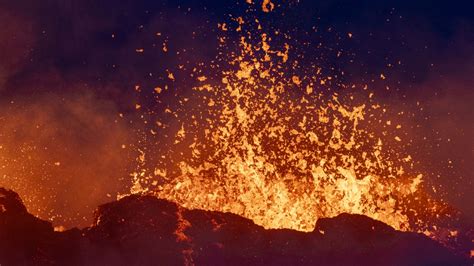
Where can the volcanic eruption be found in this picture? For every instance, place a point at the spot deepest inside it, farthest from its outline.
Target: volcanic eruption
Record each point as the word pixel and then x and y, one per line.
pixel 270 152
pixel 281 143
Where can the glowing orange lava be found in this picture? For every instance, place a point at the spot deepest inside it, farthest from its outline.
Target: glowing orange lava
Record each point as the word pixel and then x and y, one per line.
pixel 278 148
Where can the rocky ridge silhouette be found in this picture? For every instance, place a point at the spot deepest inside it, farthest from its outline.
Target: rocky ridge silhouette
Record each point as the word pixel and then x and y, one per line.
pixel 145 230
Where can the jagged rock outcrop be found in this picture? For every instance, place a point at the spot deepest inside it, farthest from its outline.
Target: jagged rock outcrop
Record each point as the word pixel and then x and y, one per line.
pixel 144 230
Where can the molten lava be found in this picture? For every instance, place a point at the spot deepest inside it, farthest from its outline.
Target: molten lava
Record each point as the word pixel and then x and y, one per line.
pixel 265 139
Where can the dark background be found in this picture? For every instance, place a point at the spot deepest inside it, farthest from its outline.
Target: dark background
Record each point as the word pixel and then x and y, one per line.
pixel 68 68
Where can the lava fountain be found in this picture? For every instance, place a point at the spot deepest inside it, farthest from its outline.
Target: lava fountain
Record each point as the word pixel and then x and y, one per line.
pixel 280 143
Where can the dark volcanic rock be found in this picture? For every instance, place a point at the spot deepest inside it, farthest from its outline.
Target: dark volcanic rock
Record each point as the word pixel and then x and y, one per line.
pixel 26 240
pixel 144 230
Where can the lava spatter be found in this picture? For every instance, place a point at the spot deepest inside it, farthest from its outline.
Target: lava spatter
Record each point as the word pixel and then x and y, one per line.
pixel 278 147
pixel 282 142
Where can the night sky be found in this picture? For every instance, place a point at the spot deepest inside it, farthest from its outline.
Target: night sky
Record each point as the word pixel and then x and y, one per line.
pixel 69 68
